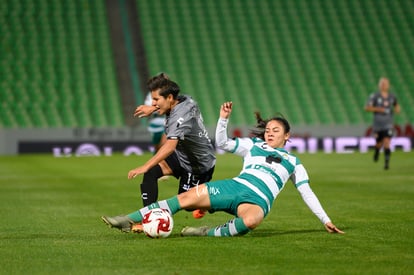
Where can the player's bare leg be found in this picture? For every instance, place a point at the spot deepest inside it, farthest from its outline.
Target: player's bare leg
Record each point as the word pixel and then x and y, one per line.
pixel 195 198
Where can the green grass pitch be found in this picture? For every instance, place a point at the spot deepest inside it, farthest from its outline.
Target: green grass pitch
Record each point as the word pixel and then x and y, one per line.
pixel 50 222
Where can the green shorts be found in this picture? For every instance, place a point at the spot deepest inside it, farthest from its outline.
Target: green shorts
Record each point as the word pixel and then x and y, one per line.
pixel 227 195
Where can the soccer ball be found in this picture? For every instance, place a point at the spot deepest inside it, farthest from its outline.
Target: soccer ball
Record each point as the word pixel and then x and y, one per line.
pixel 157 223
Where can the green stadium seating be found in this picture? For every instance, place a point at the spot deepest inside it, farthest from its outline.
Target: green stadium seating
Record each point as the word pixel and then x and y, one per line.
pixel 314 61
pixel 57 69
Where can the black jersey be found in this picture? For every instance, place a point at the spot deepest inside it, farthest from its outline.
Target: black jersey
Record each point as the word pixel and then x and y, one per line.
pixel 383 121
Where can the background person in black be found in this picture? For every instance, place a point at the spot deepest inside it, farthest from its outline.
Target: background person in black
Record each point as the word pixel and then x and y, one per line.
pixel 187 154
pixel 383 104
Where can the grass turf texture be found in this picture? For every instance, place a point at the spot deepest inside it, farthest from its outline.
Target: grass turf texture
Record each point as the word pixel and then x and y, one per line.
pixel 51 207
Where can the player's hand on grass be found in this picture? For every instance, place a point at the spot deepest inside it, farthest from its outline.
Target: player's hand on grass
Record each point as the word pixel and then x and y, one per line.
pixel 331 228
pixel 144 110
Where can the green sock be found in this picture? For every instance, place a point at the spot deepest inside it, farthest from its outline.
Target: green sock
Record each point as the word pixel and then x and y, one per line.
pixel 171 205
pixel 233 227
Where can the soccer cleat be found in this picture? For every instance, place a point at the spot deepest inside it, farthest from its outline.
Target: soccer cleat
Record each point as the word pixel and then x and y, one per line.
pixel 195 231
pixel 386 166
pixel 137 228
pixel 198 213
pixel 123 223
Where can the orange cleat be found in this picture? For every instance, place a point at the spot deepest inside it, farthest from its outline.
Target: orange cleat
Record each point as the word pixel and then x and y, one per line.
pixel 137 228
pixel 198 213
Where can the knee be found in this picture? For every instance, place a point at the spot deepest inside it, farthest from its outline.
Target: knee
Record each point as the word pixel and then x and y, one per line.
pixel 252 221
pixel 251 214
pixel 153 174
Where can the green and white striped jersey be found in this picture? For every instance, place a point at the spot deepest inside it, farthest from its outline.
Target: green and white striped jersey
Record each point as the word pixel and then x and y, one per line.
pixel 266 170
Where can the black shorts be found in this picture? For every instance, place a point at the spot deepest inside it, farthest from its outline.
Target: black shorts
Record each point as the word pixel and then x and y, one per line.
pixel 187 180
pixel 380 135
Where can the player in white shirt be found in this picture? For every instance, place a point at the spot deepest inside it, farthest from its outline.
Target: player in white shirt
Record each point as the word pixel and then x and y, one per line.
pixel 250 195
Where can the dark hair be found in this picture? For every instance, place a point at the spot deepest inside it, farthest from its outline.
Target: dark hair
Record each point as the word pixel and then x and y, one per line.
pixel 260 127
pixel 164 84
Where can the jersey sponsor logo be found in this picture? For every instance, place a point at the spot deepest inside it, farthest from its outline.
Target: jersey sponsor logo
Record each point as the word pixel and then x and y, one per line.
pixel 180 121
pixel 264 146
pixel 204 134
pixel 214 191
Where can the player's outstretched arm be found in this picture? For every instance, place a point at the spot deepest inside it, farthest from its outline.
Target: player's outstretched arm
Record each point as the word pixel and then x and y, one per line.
pixel 144 110
pixel 331 228
pixel 165 150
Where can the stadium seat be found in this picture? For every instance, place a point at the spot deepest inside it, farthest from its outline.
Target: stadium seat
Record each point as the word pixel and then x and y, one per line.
pixel 313 61
pixel 58 69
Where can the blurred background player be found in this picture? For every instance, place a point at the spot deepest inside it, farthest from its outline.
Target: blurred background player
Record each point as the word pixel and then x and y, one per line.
pixel 383 104
pixel 187 153
pixel 156 126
